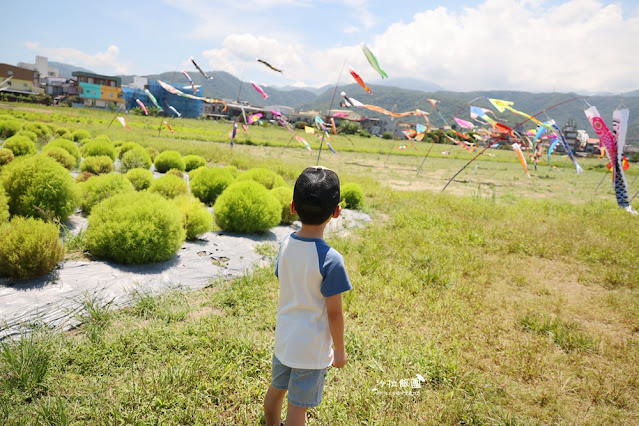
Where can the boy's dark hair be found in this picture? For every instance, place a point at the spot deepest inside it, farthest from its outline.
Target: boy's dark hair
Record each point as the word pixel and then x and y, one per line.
pixel 316 195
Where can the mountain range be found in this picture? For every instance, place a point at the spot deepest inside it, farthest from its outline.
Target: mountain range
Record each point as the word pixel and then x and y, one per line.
pixel 400 95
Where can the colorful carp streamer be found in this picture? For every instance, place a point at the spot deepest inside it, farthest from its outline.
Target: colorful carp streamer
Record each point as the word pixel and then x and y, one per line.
pixel 502 105
pixel 470 147
pixel 553 144
pixel 142 106
pixel 123 122
pixel 155 101
pixel 357 104
pixel 167 125
pixel 477 114
pixel 463 123
pixel 270 66
pixel 190 81
pixel 254 118
pixel 359 80
pixel 434 103
pixel 200 69
pixel 373 61
pixel 175 111
pixel 286 125
pixel 233 133
pixel 522 159
pixel 333 126
pixel 567 148
pixel 615 155
pixel 177 92
pixel 259 89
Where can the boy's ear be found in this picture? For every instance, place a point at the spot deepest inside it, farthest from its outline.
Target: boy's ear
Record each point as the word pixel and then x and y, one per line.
pixel 293 208
pixel 337 212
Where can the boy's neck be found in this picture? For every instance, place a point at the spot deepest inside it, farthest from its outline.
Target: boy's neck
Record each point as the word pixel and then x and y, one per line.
pixel 312 231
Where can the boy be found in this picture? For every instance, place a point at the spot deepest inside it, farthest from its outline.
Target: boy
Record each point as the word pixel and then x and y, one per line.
pixel 312 279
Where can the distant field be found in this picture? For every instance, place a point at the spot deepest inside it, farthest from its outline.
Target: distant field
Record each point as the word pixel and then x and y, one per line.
pixel 515 299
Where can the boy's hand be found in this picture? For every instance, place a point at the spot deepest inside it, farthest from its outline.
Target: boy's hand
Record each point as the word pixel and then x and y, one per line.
pixel 340 359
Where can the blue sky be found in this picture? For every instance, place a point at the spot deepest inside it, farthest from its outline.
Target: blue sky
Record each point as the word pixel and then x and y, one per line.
pixel 533 45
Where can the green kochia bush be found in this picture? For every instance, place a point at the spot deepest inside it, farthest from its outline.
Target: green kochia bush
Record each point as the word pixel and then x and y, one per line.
pixel 38 185
pixel 352 196
pixel 4 206
pixel 99 147
pixel 284 195
pixel 29 247
pixel 247 207
pixel 195 216
pixel 169 186
pixel 169 159
pixel 192 162
pixel 266 177
pixel 135 228
pixel 40 129
pixel 140 178
pixel 20 145
pixel 61 156
pixel 67 145
pixel 28 133
pixel 98 188
pixel 207 183
pixel 97 165
pixel 9 128
pixel 127 146
pixel 135 158
pixel 81 134
pixel 6 156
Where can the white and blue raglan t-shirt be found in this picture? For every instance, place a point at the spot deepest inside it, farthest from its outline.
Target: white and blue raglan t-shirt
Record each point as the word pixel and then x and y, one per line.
pixel 309 271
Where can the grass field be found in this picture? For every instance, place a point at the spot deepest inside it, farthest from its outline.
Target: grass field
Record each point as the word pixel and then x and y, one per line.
pixel 516 299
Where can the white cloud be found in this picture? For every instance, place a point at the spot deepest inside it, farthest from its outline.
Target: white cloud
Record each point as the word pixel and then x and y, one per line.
pixel 103 62
pixel 519 45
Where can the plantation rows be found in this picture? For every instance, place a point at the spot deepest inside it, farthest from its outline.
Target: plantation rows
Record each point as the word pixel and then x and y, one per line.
pixel 133 217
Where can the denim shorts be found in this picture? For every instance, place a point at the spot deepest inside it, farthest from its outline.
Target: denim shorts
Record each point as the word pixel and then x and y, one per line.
pixel 305 387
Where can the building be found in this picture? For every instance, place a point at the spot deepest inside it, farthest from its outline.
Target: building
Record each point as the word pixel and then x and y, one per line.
pixel 22 80
pixel 99 91
pixel 42 67
pixel 60 86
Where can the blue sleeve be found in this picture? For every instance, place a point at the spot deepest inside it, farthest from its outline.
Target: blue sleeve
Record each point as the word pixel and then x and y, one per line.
pixel 334 272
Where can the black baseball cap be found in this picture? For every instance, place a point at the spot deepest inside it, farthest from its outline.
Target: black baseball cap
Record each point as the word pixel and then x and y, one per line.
pixel 316 193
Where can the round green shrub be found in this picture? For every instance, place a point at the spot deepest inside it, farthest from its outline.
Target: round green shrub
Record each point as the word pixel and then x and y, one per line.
pixel 67 145
pixel 40 129
pixel 4 206
pixel 68 136
pixel 101 187
pixel 97 165
pixel 135 158
pixel 135 228
pixel 194 172
pixel 207 183
pixel 169 186
pixel 38 186
pixel 99 147
pixel 192 162
pixel 352 195
pixel 83 142
pixel 195 216
pixel 104 138
pixel 140 178
pixel 126 146
pixel 6 156
pixel 152 152
pixel 169 160
pixel 29 247
pixel 61 131
pixel 247 207
pixel 61 156
pixel 28 133
pixel 9 128
pixel 81 134
pixel 266 177
pixel 284 195
pixel 232 169
pixel 20 145
pixel 175 172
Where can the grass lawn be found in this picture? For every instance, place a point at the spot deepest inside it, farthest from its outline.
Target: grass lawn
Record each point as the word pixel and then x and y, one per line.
pixel 515 299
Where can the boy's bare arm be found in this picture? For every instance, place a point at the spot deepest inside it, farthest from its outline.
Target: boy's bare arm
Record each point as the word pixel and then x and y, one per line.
pixel 336 325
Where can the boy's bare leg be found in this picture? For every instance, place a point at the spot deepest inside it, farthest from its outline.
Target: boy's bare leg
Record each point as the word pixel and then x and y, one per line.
pixel 295 416
pixel 273 406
